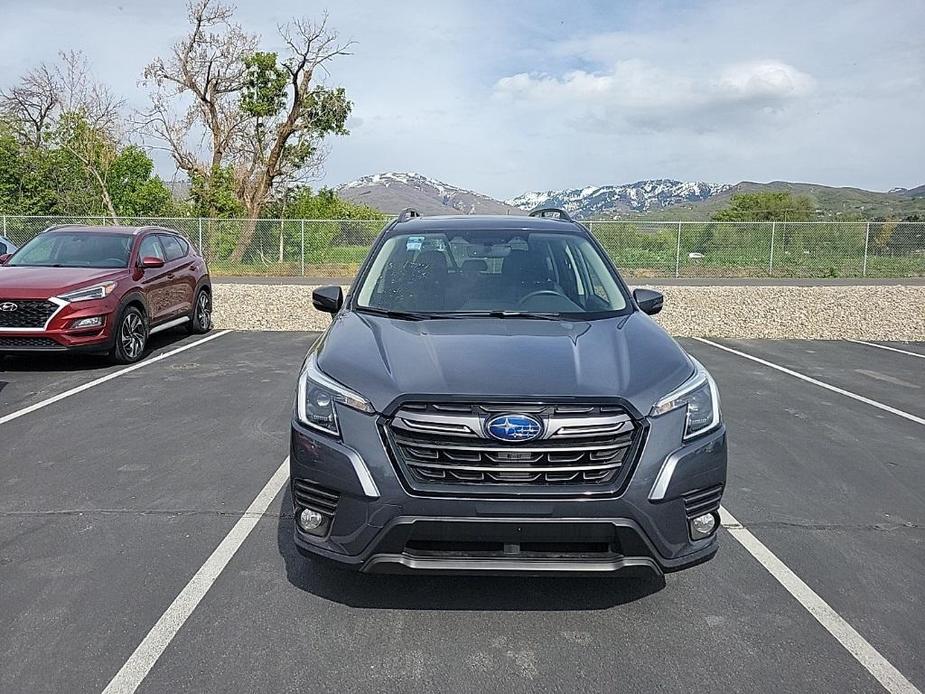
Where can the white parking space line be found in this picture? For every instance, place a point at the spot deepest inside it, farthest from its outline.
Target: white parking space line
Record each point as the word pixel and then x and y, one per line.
pixel 868 656
pixel 108 377
pixel 888 348
pixel 139 664
pixel 821 384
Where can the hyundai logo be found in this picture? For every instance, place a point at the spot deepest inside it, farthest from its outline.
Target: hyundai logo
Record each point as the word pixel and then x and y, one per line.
pixel 514 427
pixel 9 306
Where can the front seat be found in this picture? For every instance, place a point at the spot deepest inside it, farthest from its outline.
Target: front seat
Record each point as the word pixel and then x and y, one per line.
pixel 523 272
pixel 427 277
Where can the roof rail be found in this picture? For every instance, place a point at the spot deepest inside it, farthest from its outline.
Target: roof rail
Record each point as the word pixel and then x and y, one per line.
pixel 157 227
pixel 406 214
pixel 68 224
pixel 548 211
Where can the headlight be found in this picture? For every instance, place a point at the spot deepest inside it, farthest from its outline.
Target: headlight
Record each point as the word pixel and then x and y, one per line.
pixel 317 395
pixel 701 398
pixel 97 291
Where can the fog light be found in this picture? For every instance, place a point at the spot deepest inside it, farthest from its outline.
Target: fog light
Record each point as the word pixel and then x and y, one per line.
pixel 94 322
pixel 703 526
pixel 310 521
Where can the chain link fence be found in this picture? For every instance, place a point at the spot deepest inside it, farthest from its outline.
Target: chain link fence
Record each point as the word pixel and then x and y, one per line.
pixel 336 247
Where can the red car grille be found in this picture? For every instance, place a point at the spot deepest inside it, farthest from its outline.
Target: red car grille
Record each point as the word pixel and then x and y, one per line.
pixel 25 313
pixel 28 343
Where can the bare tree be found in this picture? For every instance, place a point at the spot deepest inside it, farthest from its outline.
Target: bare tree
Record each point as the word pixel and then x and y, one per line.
pixel 30 104
pixel 207 71
pixel 81 93
pixel 263 117
pixel 96 151
pixel 34 105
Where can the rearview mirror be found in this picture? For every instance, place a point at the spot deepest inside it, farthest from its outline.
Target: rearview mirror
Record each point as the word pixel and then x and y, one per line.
pixel 649 300
pixel 328 299
pixel 151 261
pixel 5 257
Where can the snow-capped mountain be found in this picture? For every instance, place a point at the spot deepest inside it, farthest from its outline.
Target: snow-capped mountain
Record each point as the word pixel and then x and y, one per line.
pixel 394 191
pixel 642 196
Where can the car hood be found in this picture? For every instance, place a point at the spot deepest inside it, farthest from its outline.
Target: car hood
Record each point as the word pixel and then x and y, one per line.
pixel 44 282
pixel 382 358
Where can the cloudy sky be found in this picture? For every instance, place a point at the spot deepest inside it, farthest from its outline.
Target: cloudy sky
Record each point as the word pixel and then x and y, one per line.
pixel 504 97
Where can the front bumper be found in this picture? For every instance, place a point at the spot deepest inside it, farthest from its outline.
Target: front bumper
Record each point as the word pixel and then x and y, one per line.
pixel 59 335
pixel 380 526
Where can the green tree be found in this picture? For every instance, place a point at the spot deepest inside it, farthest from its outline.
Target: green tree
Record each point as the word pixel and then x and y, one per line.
pixel 78 171
pixel 767 207
pixel 302 203
pixel 135 190
pixel 214 195
pixel 265 117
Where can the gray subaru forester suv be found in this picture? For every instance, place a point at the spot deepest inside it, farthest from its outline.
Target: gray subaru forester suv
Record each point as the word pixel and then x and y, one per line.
pixel 490 398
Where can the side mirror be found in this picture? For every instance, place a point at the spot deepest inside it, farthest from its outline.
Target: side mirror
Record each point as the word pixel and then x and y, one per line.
pixel 649 300
pixel 5 257
pixel 152 262
pixel 4 249
pixel 328 299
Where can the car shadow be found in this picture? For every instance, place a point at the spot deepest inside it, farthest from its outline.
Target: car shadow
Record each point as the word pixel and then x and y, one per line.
pixel 64 361
pixel 326 579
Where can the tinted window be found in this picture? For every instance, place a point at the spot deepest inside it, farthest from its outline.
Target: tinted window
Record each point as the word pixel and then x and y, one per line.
pixel 151 248
pixel 485 271
pixel 75 249
pixel 173 247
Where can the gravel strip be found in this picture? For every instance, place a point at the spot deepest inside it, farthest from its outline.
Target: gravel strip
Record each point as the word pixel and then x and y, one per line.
pixel 812 313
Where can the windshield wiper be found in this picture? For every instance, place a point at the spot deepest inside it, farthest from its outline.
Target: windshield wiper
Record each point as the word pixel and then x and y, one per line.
pixel 402 315
pixel 510 314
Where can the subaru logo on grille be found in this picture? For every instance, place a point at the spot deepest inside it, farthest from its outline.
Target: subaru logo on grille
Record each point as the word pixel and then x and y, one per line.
pixel 514 427
pixel 9 306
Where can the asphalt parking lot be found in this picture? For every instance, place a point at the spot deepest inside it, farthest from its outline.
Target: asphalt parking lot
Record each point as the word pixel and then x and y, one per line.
pixel 114 497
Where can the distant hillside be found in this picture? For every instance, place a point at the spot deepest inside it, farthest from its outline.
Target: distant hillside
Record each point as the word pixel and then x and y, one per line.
pixel 392 192
pixel 865 203
pixel 665 199
pixel 605 201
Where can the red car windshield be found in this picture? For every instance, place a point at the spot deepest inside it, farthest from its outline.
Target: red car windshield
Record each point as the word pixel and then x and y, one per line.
pixel 75 249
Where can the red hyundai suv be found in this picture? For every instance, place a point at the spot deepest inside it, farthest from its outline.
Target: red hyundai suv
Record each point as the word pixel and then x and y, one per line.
pixel 101 289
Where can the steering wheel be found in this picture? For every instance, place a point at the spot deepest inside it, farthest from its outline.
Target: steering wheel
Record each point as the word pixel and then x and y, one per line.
pixel 539 292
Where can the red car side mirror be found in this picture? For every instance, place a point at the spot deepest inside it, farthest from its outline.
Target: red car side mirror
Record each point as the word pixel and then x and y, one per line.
pixel 5 257
pixel 152 262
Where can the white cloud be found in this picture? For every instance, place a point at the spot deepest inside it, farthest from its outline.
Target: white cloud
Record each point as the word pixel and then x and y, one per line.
pixel 504 97
pixel 641 93
pixel 768 79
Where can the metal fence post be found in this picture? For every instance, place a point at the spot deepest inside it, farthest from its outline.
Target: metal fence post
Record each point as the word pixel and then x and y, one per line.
pixel 771 261
pixel 200 238
pixel 4 225
pixel 866 242
pixel 303 248
pixel 677 254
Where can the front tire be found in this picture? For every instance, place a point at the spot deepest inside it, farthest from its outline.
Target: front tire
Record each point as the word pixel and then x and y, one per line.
pixel 131 337
pixel 200 321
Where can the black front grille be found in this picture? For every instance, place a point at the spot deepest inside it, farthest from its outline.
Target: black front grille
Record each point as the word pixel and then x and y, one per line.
pixel 36 343
pixel 440 444
pixel 702 501
pixel 308 494
pixel 25 313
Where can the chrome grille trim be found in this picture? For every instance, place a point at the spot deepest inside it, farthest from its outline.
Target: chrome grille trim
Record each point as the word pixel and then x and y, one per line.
pixel 446 443
pixel 41 326
pixel 510 448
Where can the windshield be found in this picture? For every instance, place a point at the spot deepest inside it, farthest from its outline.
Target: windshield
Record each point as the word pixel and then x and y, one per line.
pixel 75 249
pixel 485 272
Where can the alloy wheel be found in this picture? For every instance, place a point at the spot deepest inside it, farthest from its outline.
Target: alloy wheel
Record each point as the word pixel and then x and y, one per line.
pixel 132 335
pixel 204 311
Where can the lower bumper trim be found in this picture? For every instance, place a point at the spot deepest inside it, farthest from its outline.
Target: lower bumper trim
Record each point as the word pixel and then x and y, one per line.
pixel 638 567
